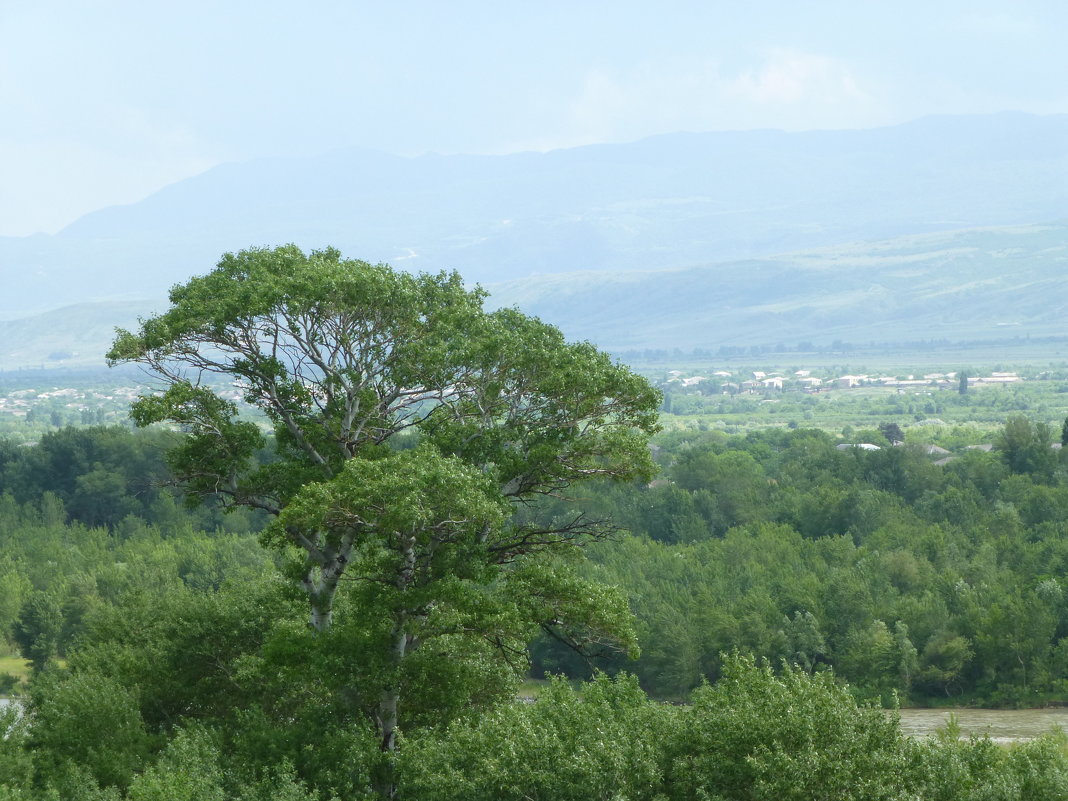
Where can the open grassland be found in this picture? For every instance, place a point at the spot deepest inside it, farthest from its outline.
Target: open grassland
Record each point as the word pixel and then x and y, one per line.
pixel 15 666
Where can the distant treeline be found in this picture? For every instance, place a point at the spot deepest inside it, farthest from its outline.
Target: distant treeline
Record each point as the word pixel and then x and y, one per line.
pixel 105 475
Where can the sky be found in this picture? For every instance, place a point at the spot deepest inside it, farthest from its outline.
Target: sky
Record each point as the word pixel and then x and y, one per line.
pixel 103 102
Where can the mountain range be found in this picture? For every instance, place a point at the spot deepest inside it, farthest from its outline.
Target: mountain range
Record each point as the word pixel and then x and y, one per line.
pixel 945 226
pixel 969 284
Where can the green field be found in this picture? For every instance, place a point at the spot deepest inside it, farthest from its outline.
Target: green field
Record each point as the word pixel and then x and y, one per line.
pixel 35 402
pixel 933 412
pixel 15 666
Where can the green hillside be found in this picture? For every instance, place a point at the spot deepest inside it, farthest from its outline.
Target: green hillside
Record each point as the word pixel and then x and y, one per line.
pixel 970 284
pixel 77 335
pixel 974 284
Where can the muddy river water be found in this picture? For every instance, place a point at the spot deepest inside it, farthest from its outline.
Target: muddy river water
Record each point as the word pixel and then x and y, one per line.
pixel 1000 725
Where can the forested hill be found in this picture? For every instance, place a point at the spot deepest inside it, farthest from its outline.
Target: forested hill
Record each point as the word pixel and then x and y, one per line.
pixel 665 202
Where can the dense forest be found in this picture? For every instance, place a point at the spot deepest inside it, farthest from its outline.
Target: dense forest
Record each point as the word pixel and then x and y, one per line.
pixel 170 658
pixel 937 582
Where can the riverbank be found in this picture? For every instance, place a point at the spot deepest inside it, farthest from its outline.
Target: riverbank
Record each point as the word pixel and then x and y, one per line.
pixel 1000 725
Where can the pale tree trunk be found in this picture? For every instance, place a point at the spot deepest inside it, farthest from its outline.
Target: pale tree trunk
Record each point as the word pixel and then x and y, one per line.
pixel 400 639
pixel 321 580
pixel 387 707
pixel 322 612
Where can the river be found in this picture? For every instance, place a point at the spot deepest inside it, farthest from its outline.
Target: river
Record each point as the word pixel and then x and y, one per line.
pixel 1000 725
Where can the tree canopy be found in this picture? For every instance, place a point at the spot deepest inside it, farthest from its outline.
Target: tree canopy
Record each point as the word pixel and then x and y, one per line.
pixel 353 365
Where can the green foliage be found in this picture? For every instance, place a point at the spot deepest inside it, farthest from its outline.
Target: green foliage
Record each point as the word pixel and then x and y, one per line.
pixel 805 644
pixel 604 741
pixel 8 682
pixel 944 658
pixel 892 432
pixel 1025 447
pixel 898 574
pixel 347 360
pixel 342 355
pixel 188 770
pixel 947 769
pixel 101 476
pixel 56 575
pixel 188 669
pixel 39 628
pixel 192 768
pixel 735 481
pixel 89 721
pixel 880 659
pixel 98 475
pixel 756 734
pixel 16 762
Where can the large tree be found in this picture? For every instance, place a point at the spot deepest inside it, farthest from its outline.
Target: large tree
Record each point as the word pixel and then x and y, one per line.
pixel 1026 447
pixel 355 364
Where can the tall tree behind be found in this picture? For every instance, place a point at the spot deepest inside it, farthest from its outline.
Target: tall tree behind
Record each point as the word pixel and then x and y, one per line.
pixel 349 360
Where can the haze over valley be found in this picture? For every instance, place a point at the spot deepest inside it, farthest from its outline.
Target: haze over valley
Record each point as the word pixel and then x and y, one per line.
pixel 946 227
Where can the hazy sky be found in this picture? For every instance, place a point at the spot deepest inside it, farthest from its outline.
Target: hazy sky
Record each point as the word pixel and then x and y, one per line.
pixel 105 101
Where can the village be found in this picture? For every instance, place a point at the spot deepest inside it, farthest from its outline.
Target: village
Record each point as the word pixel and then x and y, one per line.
pixel 804 381
pixel 88 405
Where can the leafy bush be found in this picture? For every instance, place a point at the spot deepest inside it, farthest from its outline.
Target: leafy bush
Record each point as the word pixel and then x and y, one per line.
pixel 89 721
pixel 756 735
pixel 604 741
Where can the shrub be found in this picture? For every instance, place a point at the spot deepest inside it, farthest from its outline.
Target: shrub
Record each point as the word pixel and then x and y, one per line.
pixel 90 721
pixel 603 741
pixel 756 735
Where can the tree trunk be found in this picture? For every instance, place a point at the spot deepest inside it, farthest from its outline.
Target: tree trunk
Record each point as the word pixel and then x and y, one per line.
pixel 325 568
pixel 387 707
pixel 389 704
pixel 322 614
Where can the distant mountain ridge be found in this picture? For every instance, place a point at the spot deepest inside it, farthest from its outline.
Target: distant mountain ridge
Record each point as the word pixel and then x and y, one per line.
pixel 76 335
pixel 664 202
pixel 959 285
pixel 979 283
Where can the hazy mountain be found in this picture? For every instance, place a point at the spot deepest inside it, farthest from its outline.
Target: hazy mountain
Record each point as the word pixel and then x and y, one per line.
pixel 987 283
pixel 73 335
pixel 668 201
pixel 958 285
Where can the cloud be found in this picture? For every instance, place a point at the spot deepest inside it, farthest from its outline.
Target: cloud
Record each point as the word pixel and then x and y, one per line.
pixel 781 88
pixel 791 77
